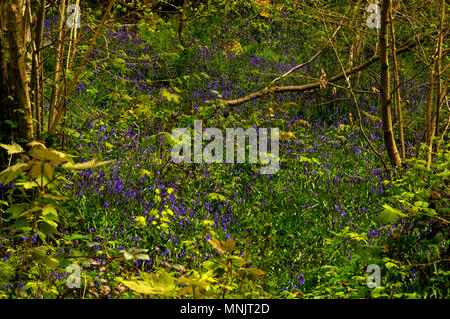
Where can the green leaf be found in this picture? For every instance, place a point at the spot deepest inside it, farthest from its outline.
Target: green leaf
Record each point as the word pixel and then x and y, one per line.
pixel 389 214
pixel 21 223
pixel 237 261
pixel 14 148
pixel 75 236
pixel 421 204
pixel 52 156
pixel 159 282
pixel 142 256
pixel 229 245
pixel 48 228
pixel 216 196
pixel 36 169
pixel 253 271
pixel 170 96
pixel 217 244
pixel 85 165
pixel 16 210
pixel 140 221
pixel 48 170
pixel 27 185
pixel 12 172
pixel 39 255
pixel 49 210
pixel 139 286
pixel 55 197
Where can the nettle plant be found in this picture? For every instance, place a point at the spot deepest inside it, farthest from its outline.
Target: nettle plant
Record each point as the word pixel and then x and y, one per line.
pixel 34 203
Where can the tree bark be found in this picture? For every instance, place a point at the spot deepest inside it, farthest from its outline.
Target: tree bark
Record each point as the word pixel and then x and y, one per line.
pixel 385 97
pixel 17 67
pixel 85 57
pixel 59 52
pixel 398 100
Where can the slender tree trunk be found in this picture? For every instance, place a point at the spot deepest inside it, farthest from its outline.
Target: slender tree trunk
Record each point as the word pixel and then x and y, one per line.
pixel 39 42
pixel 432 128
pixel 74 81
pixel 19 77
pixel 439 68
pixel 398 100
pixel 6 105
pixel 36 72
pixel 59 52
pixel 388 132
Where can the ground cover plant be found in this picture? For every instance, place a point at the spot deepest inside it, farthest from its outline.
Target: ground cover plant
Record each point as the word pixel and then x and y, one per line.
pixel 92 204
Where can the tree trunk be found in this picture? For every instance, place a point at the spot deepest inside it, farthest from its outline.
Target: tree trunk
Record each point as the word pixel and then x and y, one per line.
pixel 388 132
pixel 398 100
pixel 59 52
pixel 17 67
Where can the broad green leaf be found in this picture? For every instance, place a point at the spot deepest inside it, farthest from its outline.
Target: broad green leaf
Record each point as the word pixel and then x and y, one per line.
pixel 16 210
pixel 14 148
pixel 21 223
pixel 229 245
pixel 217 244
pixel 142 256
pixel 75 236
pixel 27 185
pixel 48 228
pixel 85 165
pixel 40 256
pixel 53 156
pixel 253 271
pixel 160 282
pixel 237 261
pixel 49 210
pixel 139 286
pixel 48 170
pixel 170 97
pixel 12 172
pixel 216 196
pixel 39 144
pixel 36 169
pixel 389 214
pixel 56 197
pixel 140 221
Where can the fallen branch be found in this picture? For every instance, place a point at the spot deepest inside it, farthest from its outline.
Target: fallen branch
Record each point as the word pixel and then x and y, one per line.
pixel 311 86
